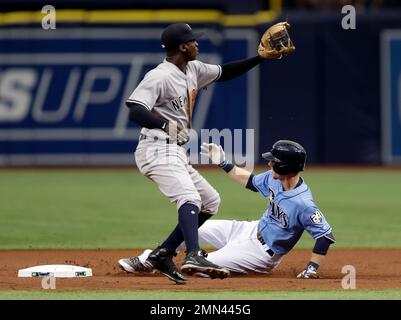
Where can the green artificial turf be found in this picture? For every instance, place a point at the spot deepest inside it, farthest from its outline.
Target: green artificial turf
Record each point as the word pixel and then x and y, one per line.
pixel 388 294
pixel 122 209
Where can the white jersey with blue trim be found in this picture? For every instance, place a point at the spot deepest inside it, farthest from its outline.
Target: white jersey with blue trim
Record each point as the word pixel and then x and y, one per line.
pixel 289 214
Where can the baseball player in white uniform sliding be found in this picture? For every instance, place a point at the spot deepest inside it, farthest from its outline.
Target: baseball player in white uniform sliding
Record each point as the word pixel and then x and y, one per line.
pixel 162 104
pixel 259 246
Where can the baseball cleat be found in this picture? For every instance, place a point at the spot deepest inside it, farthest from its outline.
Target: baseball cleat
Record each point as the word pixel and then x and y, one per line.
pixel 201 275
pixel 162 260
pixel 195 262
pixel 133 265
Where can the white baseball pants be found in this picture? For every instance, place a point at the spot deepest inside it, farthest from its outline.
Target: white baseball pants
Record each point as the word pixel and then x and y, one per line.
pixel 168 166
pixel 239 249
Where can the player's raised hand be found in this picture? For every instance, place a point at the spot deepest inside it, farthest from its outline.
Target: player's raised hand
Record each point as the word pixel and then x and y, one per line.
pixel 214 152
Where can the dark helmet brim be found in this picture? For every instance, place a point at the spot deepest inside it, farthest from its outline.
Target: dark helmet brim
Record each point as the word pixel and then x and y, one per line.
pixel 269 157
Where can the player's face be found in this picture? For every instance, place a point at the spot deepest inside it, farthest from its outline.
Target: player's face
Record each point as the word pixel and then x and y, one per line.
pixel 192 50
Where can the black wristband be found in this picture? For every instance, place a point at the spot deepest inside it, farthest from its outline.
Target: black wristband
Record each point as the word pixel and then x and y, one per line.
pixel 226 166
pixel 250 185
pixel 322 244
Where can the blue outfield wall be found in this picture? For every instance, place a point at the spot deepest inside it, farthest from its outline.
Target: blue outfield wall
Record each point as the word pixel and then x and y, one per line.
pixel 62 91
pixel 329 97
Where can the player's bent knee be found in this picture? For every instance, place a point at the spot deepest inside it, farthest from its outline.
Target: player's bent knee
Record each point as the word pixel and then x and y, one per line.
pixel 193 199
pixel 212 207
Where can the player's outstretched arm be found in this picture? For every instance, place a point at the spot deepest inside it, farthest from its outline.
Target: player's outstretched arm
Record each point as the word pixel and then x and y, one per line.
pixel 318 255
pixel 217 156
pixel 234 69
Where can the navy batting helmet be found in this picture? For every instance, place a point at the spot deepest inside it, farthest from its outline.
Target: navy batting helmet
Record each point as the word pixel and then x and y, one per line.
pixel 288 157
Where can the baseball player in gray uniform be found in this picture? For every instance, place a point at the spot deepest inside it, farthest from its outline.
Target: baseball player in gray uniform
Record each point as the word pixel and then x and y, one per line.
pixel 162 105
pixel 259 246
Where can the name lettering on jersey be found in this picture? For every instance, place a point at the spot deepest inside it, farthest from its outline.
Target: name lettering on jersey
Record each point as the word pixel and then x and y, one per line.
pixel 179 103
pixel 276 213
pixel 317 217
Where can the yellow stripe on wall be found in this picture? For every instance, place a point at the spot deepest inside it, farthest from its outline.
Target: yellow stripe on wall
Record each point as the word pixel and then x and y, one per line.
pixel 141 16
pixel 66 16
pixel 149 16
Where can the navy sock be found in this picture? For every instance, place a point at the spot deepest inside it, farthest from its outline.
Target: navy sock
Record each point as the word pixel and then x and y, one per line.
pixel 188 221
pixel 176 237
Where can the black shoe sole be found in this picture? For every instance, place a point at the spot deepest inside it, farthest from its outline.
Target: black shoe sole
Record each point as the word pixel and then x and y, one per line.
pixel 176 280
pixel 169 276
pixel 211 272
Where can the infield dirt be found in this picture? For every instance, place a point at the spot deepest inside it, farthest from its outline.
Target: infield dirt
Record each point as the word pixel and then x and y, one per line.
pixel 375 269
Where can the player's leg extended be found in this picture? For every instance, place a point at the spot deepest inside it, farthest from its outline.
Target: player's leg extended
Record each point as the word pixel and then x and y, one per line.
pixel 176 183
pixel 240 251
pixel 216 233
pixel 237 244
pixel 166 166
pixel 210 203
pixel 195 261
pixel 243 253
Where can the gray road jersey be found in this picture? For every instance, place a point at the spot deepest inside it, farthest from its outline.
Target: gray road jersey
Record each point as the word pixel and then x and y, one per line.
pixel 169 93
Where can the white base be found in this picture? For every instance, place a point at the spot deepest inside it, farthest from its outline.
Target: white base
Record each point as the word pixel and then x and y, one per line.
pixel 55 270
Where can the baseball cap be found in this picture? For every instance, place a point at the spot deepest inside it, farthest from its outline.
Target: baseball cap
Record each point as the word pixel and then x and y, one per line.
pixel 178 33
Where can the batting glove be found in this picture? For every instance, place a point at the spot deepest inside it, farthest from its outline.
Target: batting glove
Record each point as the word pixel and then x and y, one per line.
pixel 214 152
pixel 310 272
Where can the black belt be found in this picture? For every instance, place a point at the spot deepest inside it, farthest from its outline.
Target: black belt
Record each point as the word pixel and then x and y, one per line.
pixel 262 241
pixel 166 140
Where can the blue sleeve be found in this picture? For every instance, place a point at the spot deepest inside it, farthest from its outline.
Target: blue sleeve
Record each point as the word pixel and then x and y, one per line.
pixel 261 182
pixel 314 222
